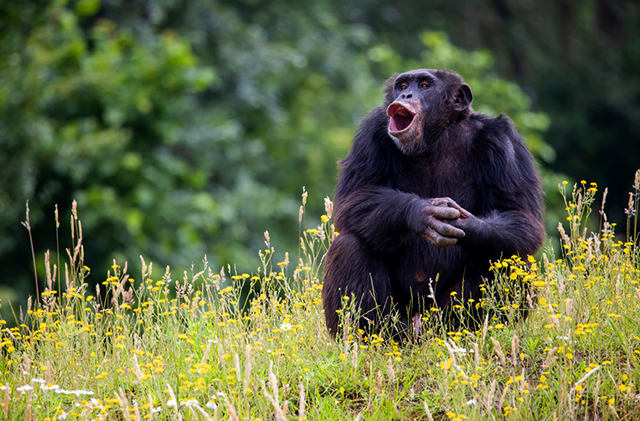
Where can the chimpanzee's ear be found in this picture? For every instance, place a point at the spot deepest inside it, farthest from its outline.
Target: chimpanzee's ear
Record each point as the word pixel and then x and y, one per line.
pixel 463 97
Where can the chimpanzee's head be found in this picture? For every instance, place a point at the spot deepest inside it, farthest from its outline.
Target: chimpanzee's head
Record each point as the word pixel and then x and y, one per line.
pixel 421 104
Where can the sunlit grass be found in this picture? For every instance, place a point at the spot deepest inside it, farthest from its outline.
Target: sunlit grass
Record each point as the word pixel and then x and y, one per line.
pixel 200 346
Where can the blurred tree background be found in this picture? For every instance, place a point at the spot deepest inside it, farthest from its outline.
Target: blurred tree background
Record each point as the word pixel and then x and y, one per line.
pixel 186 128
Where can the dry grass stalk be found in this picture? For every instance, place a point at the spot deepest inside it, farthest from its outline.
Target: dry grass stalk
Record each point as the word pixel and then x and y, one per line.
pixel 328 207
pixel 273 382
pixel 151 409
pixel 7 392
pixel 550 357
pixel 552 312
pixel 426 409
pixel 232 411
pixel 390 372
pixel 136 368
pixel 280 416
pixel 303 400
pixel 488 401
pixel 173 397
pixel 203 413
pixel 27 412
pixel 515 344
pixel 485 328
pixel 503 397
pixel 354 355
pixel 247 368
pixel 476 355
pixel 124 405
pixel 379 380
pixel 596 394
pixel 47 269
pixel 568 306
pixel 47 374
pixel 27 225
pixel 236 364
pixel 452 354
pixel 205 354
pixel 498 350
pixel 346 327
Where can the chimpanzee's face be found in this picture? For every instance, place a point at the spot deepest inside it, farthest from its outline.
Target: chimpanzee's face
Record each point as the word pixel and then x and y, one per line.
pixel 423 102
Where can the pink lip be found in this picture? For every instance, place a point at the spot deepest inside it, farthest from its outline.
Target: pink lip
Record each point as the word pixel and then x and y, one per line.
pixel 401 117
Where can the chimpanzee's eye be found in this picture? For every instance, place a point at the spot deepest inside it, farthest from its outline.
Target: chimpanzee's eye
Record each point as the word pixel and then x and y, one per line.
pixel 424 85
pixel 403 86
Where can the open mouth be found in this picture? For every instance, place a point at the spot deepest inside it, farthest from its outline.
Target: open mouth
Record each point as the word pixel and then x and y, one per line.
pixel 401 117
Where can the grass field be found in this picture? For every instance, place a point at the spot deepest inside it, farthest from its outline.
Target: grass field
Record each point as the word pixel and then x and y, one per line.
pixel 198 346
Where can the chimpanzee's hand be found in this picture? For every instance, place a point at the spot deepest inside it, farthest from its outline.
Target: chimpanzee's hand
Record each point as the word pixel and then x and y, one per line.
pixel 434 221
pixel 472 226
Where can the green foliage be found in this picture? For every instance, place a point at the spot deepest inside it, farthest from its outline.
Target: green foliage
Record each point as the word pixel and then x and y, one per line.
pixel 97 117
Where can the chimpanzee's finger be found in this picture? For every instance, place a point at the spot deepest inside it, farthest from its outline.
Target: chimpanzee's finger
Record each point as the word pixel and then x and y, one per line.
pixel 447 230
pixel 444 212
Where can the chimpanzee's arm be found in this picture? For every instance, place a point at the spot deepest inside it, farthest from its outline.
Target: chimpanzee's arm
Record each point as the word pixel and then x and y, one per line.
pixel 384 217
pixel 511 221
pixel 501 234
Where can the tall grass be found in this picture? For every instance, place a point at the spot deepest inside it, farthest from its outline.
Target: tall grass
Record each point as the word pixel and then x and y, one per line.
pixel 198 347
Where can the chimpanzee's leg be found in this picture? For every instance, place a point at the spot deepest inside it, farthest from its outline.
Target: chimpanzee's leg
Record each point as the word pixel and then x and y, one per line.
pixel 353 271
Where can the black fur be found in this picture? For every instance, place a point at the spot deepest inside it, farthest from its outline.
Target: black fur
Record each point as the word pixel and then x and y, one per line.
pixel 394 238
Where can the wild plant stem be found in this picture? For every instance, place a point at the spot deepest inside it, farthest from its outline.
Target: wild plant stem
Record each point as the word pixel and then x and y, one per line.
pixel 635 218
pixel 33 254
pixel 58 245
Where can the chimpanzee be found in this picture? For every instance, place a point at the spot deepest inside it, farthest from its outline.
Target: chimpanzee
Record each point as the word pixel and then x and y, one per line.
pixel 430 190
